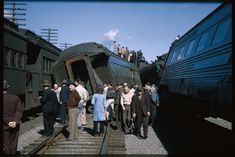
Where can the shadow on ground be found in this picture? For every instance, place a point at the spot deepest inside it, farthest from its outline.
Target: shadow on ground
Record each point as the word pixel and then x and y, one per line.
pixel 182 134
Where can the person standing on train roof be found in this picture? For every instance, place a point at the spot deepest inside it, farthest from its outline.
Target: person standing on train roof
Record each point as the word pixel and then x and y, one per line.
pixel 57 90
pixel 12 115
pixel 126 99
pixel 64 96
pixel 99 101
pixel 119 50
pixel 115 47
pixel 49 107
pixel 81 119
pixel 73 101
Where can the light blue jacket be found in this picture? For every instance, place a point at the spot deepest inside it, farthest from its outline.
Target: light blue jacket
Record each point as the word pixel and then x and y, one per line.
pixel 98 101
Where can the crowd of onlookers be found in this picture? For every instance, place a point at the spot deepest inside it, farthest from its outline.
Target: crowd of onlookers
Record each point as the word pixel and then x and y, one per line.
pixel 124 52
pixel 130 106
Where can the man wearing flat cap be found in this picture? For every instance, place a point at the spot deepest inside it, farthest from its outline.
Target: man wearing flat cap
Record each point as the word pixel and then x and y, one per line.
pixel 49 108
pixel 12 114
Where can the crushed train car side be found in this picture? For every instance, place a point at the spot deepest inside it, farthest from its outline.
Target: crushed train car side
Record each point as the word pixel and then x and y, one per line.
pixel 95 65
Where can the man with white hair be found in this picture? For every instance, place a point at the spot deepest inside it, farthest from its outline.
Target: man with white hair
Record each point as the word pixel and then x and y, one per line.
pixel 82 104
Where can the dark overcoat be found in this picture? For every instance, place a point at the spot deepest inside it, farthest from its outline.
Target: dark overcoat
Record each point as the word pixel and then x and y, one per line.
pixel 64 94
pixel 49 101
pixel 141 106
pixel 12 110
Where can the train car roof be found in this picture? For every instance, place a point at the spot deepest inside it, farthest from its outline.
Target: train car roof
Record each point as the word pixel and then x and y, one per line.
pixel 37 39
pixel 90 48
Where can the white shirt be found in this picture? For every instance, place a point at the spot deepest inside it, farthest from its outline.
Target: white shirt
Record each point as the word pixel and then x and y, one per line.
pixel 83 93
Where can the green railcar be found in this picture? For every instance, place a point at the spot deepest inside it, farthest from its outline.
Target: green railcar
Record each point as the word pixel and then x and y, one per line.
pixel 95 65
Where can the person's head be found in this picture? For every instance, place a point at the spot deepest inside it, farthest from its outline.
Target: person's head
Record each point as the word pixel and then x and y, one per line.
pixel 139 91
pixel 46 84
pixel 5 85
pixel 99 89
pixel 64 82
pixel 56 86
pixel 126 89
pixel 72 85
pixel 147 89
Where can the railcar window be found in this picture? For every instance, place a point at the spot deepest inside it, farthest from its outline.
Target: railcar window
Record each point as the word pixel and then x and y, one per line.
pixel 180 56
pixel 13 58
pixel 6 56
pixel 169 58
pixel 221 32
pixel 20 60
pixel 202 42
pixel 175 54
pixel 190 48
pixel 44 64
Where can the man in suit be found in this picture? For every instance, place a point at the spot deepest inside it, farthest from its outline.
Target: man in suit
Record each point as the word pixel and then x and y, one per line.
pixel 64 96
pixel 12 114
pixel 49 107
pixel 141 111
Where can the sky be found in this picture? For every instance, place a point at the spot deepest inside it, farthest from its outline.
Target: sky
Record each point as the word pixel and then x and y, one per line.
pixel 147 26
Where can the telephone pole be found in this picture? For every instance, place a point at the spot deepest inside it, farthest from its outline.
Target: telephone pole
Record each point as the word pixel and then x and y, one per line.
pixel 11 11
pixel 50 35
pixel 65 45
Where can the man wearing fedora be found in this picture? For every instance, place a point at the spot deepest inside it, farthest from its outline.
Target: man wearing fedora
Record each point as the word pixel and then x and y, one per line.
pixel 12 114
pixel 141 111
pixel 64 96
pixel 49 107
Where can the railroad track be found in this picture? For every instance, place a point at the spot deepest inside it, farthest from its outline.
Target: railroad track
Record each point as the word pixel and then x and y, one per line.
pixel 111 142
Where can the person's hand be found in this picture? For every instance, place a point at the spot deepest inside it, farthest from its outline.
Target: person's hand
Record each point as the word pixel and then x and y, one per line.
pixel 134 115
pixel 158 105
pixel 40 97
pixel 12 124
pixel 148 113
pixel 123 108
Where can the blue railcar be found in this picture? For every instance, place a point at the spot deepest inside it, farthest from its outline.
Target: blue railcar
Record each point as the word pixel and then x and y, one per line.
pixel 199 65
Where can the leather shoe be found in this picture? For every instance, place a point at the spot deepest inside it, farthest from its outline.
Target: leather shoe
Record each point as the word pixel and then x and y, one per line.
pixel 145 137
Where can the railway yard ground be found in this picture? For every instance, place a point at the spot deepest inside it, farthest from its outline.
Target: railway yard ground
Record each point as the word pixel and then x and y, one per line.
pixel 174 133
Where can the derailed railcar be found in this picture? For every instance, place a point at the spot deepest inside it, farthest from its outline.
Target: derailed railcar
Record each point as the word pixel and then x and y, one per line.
pixel 27 62
pixel 199 66
pixel 95 65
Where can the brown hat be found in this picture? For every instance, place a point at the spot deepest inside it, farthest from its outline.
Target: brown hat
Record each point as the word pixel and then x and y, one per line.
pixel 5 84
pixel 46 83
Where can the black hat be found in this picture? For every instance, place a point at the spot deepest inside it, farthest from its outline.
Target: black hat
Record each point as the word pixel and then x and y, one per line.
pixel 46 83
pixel 5 84
pixel 138 90
pixel 64 82
pixel 73 83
